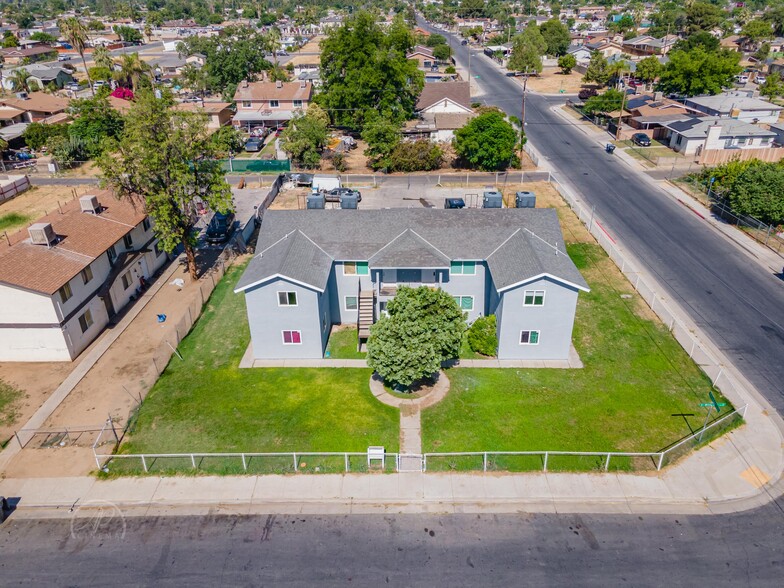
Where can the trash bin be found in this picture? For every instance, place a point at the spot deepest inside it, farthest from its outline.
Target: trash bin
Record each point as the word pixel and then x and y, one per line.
pixel 609 148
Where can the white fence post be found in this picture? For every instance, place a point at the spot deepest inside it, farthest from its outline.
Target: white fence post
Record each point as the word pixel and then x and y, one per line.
pixel 193 461
pixel 295 462
pixel 661 459
pixel 345 456
pixel 545 460
pixel 484 462
pixel 607 463
pixel 144 464
pixel 244 463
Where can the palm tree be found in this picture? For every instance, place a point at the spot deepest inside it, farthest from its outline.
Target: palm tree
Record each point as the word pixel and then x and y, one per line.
pixel 132 69
pixel 20 80
pixel 148 32
pixel 75 33
pixel 101 58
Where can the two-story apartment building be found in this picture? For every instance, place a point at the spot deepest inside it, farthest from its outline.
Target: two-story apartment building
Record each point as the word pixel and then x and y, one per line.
pixel 317 268
pixel 738 105
pixel 65 277
pixel 270 103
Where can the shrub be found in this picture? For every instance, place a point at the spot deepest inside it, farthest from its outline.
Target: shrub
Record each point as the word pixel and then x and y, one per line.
pixel 586 93
pixel 339 162
pixel 482 335
pixel 450 69
pixel 411 156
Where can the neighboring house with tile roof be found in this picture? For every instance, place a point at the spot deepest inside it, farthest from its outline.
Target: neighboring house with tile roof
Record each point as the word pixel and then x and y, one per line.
pixel 36 105
pixel 317 268
pixel 41 74
pixel 15 55
pixel 64 278
pixel 270 103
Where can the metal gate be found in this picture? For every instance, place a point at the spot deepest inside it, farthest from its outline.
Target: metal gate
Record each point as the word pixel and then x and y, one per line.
pixel 410 462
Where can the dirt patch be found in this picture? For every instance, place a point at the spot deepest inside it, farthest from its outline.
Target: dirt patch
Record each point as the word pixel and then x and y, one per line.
pixel 40 200
pixel 290 199
pixel 36 381
pixel 552 81
pixel 311 46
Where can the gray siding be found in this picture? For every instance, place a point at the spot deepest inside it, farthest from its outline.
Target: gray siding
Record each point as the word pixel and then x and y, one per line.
pixel 553 320
pixel 267 321
pixel 341 286
pixel 476 286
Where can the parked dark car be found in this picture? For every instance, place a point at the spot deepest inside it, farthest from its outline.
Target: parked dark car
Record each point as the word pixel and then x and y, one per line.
pixel 4 508
pixel 302 179
pixel 220 227
pixel 454 203
pixel 335 193
pixel 253 144
pixel 641 139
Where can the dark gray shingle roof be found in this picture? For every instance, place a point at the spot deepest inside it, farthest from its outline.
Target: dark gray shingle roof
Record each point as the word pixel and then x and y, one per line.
pixel 516 243
pixel 294 256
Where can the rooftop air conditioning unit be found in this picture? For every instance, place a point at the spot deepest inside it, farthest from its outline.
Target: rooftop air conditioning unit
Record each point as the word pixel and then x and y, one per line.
pixel 89 203
pixel 22 95
pixel 279 84
pixel 42 234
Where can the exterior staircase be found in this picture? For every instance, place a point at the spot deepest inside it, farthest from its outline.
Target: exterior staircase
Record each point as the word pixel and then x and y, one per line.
pixel 365 313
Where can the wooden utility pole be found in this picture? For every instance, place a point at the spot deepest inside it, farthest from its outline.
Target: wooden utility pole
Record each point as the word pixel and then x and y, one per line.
pixel 522 119
pixel 620 114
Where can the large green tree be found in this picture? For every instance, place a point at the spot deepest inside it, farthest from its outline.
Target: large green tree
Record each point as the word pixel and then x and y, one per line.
pixel 609 101
pixel 567 63
pixel 382 135
pixel 758 190
pixel 95 121
pixel 772 87
pixel 487 141
pixel 757 30
pixel 699 72
pixel 305 137
pixel 165 162
pixel 703 16
pixel 557 37
pixel 598 70
pixel 424 328
pixel 365 70
pixel 648 69
pixel 236 54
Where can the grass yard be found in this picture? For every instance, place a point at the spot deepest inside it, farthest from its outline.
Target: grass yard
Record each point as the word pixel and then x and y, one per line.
pixel 10 396
pixel 207 404
pixel 343 344
pixel 13 221
pixel 636 377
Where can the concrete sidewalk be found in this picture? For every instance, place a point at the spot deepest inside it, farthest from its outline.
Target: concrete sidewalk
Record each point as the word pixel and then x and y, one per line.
pixel 738 471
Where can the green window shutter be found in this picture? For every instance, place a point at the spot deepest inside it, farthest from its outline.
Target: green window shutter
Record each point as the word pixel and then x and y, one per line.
pixel 456 268
pixel 529 298
pixel 457 299
pixel 469 268
pixel 362 268
pixel 466 303
pixel 534 337
pixel 539 299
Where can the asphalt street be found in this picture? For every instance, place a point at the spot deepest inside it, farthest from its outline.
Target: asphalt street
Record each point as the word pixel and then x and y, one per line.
pixel 396 550
pixel 734 301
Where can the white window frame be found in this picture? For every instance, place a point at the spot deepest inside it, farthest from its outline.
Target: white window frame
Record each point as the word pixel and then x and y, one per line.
pixel 529 331
pixel 459 300
pixel 128 241
pixel 345 303
pixel 533 293
pixel 88 320
pixel 292 331
pixel 287 292
pixel 247 104
pixel 274 103
pixel 297 103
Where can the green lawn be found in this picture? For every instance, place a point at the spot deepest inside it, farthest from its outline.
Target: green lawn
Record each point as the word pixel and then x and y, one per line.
pixel 636 377
pixel 13 220
pixel 343 345
pixel 207 404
